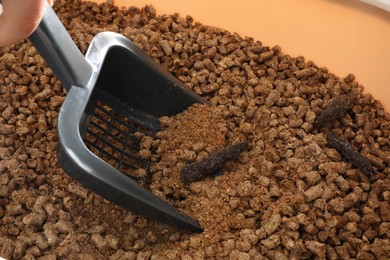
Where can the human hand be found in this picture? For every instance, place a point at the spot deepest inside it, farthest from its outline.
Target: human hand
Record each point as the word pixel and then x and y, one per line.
pixel 19 19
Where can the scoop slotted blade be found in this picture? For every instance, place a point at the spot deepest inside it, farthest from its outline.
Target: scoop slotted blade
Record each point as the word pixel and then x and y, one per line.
pixel 114 93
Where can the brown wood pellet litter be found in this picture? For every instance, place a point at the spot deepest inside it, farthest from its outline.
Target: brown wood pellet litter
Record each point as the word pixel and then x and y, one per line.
pixel 288 196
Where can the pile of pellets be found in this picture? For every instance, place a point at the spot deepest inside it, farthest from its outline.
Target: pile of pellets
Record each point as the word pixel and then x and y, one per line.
pixel 289 195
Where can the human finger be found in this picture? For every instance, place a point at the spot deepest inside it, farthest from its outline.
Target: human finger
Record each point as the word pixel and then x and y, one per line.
pixel 19 19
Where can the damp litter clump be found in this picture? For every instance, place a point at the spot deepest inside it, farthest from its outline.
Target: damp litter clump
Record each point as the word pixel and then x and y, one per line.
pixel 288 195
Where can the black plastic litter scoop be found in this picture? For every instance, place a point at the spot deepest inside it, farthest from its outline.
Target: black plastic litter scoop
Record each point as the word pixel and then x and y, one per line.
pixel 114 92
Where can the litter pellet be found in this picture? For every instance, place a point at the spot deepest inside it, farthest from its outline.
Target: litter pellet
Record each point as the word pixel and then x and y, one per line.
pixel 346 149
pixel 335 110
pixel 198 170
pixel 266 56
pixel 305 72
pixel 313 193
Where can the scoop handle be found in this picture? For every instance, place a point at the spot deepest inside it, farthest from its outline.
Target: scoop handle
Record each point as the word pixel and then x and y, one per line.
pixel 384 4
pixel 59 51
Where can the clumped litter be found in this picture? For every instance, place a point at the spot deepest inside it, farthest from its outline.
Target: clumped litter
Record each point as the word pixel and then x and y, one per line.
pixel 336 110
pixel 347 150
pixel 288 195
pixel 209 165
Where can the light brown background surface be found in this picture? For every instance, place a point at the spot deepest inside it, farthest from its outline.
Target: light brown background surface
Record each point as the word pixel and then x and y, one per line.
pixel 346 36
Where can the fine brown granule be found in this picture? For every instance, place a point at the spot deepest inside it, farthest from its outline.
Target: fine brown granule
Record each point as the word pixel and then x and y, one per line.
pixel 287 196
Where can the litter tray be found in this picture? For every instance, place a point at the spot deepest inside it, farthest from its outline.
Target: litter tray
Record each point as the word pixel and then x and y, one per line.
pixel 345 36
